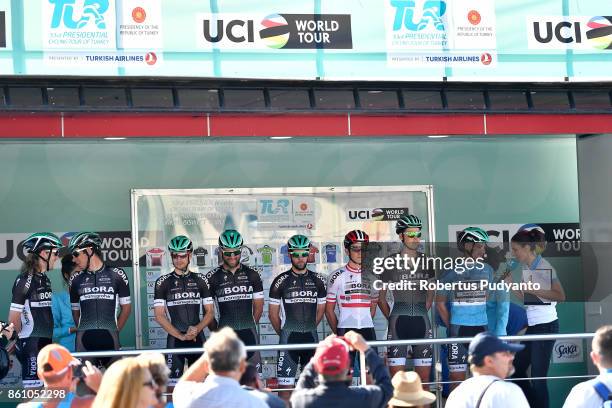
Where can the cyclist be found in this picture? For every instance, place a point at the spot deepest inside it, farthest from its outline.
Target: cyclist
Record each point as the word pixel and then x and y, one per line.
pixel 179 295
pixel 352 292
pixel 409 318
pixel 468 307
pixel 30 311
pixel 94 294
pixel 301 294
pixel 238 293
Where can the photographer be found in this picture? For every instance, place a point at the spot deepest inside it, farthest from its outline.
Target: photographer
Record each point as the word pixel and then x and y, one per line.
pixel 332 363
pixel 57 369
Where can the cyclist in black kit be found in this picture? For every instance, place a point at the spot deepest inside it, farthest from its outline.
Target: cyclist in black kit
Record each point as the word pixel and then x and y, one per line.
pixel 94 293
pixel 180 294
pixel 30 310
pixel 302 295
pixel 238 293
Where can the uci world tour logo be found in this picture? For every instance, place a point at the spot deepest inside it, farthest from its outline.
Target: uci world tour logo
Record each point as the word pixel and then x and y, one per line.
pixel 277 31
pixel 405 15
pixel 72 17
pixel 600 33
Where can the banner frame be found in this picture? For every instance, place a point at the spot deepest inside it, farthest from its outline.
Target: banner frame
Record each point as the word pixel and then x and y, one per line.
pixel 427 189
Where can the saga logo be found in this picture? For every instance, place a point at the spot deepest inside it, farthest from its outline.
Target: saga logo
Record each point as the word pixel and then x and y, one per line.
pixel 567 352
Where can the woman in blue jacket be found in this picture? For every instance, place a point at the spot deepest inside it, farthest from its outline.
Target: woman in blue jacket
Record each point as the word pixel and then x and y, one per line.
pixel 64 328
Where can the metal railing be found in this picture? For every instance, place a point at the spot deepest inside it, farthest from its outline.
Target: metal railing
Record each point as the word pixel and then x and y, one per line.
pixel 379 343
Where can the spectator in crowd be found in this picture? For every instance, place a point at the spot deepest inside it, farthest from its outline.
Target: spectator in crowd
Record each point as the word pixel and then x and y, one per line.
pixel 541 313
pixel 213 380
pixel 126 384
pixel 64 328
pixel 408 391
pixel 156 363
pixel 55 370
pixel 595 392
pixel 332 363
pixel 251 382
pixel 490 362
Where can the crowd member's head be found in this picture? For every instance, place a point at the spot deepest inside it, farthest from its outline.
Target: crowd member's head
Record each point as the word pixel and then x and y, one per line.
pixel 250 377
pixel 230 245
pixel 225 354
pixel 42 252
pixel 332 360
pixel 488 355
pixel 472 241
pixel 181 250
pixel 85 248
pixel 408 391
pixel 525 244
pixel 408 228
pixel 156 364
pixel 298 248
pixel 126 384
pixel 354 243
pixel 602 348
pixel 541 236
pixel 55 365
pixel 68 268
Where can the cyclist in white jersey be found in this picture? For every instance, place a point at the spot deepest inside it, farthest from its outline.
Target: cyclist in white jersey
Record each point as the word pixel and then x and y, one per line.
pixel 351 292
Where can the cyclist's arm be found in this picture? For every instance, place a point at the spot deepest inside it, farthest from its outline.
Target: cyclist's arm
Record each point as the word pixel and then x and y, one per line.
pixel 442 310
pixel 382 303
pixel 258 296
pixel 321 297
pixel 330 314
pixel 124 314
pixel 275 320
pixel 209 314
pixel 258 305
pixel 164 322
pixel 320 312
pixel 15 318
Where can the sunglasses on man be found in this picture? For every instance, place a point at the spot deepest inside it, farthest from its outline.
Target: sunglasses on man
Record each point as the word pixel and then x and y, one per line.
pixel 231 253
pixel 299 254
pixel 413 234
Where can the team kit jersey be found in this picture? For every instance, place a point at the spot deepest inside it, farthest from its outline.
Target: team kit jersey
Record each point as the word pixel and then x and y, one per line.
pixel 234 294
pixel 267 253
pixel 96 294
pixel 331 251
pixel 354 295
pixel 183 296
pixel 299 295
pixel 32 298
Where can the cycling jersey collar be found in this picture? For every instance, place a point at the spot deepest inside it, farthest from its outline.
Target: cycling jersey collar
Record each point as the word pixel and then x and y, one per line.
pixel 352 270
pixel 99 270
pixel 230 272
pixel 299 274
pixel 180 275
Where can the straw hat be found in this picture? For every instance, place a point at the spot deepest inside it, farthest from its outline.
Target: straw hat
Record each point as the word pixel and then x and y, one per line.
pixel 408 391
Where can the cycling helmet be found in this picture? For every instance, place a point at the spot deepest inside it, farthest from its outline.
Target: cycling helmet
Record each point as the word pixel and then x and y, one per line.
pixel 298 242
pixel 230 239
pixel 40 241
pixel 407 221
pixel 355 236
pixel 180 243
pixel 471 234
pixel 85 240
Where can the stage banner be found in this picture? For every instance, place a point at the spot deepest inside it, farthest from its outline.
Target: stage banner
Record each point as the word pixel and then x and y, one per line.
pixel 388 40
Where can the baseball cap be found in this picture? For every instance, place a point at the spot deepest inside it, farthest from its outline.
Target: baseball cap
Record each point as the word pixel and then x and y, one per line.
pixel 54 359
pixel 486 343
pixel 332 357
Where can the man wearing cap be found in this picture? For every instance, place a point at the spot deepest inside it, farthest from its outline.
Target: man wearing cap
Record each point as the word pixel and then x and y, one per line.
pixel 491 362
pixel 331 361
pixel 55 370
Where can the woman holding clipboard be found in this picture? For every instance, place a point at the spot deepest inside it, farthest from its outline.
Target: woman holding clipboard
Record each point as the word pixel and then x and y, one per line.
pixel 541 313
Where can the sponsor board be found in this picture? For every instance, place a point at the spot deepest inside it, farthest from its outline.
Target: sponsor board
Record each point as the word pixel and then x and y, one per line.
pixel 274 31
pixel 376 214
pixel 588 33
pixel 567 351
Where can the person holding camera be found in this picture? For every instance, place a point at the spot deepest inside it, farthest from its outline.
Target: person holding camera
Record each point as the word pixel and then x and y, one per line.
pixel 332 387
pixel 30 311
pixel 62 375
